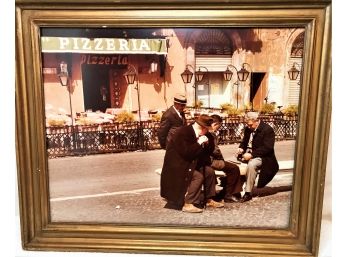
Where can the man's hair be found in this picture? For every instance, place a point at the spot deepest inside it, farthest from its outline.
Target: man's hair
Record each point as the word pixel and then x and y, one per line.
pixel 254 116
pixel 216 118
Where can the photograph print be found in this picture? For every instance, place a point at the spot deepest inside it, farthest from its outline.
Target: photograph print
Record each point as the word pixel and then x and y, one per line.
pixel 193 126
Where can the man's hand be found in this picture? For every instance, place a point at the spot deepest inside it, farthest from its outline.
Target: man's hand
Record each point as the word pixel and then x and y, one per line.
pixel 239 151
pixel 247 156
pixel 202 139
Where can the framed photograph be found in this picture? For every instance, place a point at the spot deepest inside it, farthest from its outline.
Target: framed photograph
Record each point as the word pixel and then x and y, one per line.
pixel 92 82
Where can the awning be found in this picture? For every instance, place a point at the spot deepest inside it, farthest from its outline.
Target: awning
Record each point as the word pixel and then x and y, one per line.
pixel 103 45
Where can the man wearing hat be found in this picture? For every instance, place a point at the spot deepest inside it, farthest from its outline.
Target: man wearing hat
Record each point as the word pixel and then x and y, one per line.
pixel 171 119
pixel 186 167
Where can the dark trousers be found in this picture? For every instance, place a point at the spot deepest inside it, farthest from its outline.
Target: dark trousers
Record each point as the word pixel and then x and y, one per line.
pixel 198 178
pixel 233 182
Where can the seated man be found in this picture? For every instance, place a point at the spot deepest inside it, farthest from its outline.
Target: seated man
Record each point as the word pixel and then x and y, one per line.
pixel 257 149
pixel 182 174
pixel 232 185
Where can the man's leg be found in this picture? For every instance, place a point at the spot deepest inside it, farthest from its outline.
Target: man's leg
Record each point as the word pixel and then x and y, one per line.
pixel 234 182
pixel 251 173
pixel 192 197
pixel 194 189
pixel 209 183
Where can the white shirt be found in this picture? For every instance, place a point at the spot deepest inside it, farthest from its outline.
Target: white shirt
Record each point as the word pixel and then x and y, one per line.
pixel 179 114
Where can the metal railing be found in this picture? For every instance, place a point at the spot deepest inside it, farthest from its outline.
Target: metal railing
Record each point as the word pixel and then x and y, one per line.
pixel 131 136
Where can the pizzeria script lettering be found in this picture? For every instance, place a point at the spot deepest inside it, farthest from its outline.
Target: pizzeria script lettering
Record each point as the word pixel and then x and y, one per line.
pixel 104 60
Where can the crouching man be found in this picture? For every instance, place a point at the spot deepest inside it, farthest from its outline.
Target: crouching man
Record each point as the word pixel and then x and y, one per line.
pixel 257 149
pixel 186 168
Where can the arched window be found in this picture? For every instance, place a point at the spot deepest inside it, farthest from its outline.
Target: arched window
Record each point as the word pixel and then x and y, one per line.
pixel 297 46
pixel 213 42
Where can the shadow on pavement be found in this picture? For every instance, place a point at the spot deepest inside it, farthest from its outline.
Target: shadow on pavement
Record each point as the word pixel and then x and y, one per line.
pixel 265 191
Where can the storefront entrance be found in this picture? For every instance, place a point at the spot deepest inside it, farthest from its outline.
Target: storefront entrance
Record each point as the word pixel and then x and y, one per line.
pixel 96 89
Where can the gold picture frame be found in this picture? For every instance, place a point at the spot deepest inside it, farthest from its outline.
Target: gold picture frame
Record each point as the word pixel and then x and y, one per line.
pixel 302 236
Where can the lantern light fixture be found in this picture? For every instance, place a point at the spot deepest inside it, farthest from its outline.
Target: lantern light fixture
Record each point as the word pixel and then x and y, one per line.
pixel 243 73
pixel 187 74
pixel 294 72
pixel 199 75
pixel 228 73
pixel 131 76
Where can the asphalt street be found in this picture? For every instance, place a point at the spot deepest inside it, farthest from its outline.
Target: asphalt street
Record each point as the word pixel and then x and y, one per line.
pixel 123 188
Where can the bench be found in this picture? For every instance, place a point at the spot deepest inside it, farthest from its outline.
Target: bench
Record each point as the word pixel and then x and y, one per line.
pixel 283 165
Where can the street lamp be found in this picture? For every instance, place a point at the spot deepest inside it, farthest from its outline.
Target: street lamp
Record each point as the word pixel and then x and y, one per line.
pixel 65 82
pixel 199 75
pixel 293 72
pixel 187 74
pixel 243 75
pixel 228 76
pixel 131 75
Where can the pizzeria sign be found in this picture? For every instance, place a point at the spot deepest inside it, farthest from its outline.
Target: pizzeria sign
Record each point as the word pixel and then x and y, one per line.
pixel 103 45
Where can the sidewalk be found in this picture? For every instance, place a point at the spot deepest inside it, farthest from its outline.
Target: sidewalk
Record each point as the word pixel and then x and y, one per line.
pixel 124 189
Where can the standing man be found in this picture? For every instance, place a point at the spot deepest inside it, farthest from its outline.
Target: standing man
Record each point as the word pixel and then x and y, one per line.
pixel 257 149
pixel 171 119
pixel 182 176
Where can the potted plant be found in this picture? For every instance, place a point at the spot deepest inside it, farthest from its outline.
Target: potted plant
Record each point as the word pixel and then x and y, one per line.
pixel 156 117
pixel 267 108
pixel 230 110
pixel 124 116
pixel 291 110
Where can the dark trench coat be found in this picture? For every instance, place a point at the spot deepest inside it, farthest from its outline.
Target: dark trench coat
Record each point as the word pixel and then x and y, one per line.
pixel 170 121
pixel 263 146
pixel 183 155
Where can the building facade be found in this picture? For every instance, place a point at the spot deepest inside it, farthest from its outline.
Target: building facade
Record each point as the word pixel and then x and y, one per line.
pixel 97 61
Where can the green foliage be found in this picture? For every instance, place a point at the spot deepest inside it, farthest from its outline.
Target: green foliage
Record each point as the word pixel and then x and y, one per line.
pixel 226 106
pixel 267 108
pixel 291 110
pixel 247 107
pixel 199 104
pixel 156 117
pixel 56 122
pixel 124 116
pixel 230 109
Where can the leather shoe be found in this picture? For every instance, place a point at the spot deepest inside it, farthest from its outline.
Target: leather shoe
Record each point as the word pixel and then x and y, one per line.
pixel 232 199
pixel 213 204
pixel 188 207
pixel 246 197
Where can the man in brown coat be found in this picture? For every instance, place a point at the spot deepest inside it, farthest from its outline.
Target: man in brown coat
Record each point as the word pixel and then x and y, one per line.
pixel 182 176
